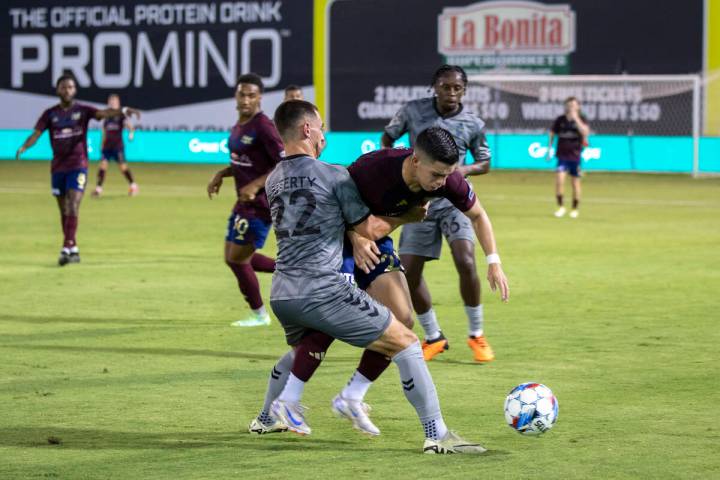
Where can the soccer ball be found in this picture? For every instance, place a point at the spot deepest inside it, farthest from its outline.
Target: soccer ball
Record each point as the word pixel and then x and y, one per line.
pixel 531 408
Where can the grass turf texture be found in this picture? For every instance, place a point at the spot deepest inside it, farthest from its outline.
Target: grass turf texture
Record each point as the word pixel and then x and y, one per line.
pixel 125 366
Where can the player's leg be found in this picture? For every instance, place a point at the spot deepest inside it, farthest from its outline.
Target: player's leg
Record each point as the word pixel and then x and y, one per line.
pixel 125 169
pixel 577 191
pixel 266 422
pixel 102 171
pixel 74 190
pixel 64 257
pixel 262 263
pixel 560 174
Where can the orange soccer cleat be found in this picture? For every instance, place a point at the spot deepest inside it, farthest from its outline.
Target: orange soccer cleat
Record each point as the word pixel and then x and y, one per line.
pixel 433 348
pixel 482 351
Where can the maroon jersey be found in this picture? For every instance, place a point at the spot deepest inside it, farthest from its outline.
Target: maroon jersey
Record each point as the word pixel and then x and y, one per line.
pixel 378 176
pixel 255 149
pixel 113 128
pixel 570 140
pixel 68 135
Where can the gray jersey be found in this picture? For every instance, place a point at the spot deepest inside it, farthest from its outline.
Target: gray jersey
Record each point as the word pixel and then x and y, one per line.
pixel 311 204
pixel 465 127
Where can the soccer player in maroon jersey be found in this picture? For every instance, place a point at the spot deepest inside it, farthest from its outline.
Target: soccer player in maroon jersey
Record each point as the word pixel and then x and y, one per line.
pixel 113 147
pixel 68 125
pixel 255 148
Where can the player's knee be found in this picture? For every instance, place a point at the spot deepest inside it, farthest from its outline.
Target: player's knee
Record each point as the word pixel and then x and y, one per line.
pixel 406 318
pixel 406 338
pixel 465 264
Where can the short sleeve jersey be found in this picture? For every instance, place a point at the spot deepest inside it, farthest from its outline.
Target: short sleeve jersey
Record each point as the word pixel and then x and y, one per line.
pixel 378 176
pixel 570 141
pixel 466 127
pixel 68 135
pixel 255 148
pixel 312 203
pixel 113 128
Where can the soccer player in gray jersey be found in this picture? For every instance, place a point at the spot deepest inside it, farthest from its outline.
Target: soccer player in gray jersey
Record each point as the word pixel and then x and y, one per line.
pixel 312 203
pixel 421 242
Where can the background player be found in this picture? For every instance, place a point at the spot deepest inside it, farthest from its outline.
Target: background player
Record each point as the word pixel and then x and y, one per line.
pixel 293 92
pixel 68 125
pixel 420 242
pixel 255 148
pixel 572 131
pixel 312 202
pixel 113 147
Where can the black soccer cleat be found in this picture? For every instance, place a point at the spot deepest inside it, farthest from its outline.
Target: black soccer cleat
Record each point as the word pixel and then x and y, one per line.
pixel 74 257
pixel 64 259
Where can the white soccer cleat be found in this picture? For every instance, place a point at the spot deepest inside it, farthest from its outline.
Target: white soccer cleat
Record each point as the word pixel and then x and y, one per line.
pixel 98 191
pixel 256 427
pixel 452 443
pixel 357 412
pixel 292 415
pixel 133 189
pixel 254 320
pixel 560 212
pixel 574 213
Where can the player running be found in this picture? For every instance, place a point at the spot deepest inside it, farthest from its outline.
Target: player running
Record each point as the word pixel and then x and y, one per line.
pixel 113 147
pixel 255 148
pixel 572 131
pixel 68 125
pixel 421 242
pixel 312 202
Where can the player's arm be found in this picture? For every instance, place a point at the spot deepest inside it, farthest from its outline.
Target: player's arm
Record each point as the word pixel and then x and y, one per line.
pixel 29 142
pixel 551 137
pixel 114 112
pixel 217 180
pixel 248 192
pixel 484 232
pixel 395 129
pixel 582 127
pixel 131 129
pixel 480 151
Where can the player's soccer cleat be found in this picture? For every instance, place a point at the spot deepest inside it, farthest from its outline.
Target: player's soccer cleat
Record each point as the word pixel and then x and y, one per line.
pixel 97 192
pixel 64 258
pixel 452 443
pixel 560 212
pixel 254 320
pixel 574 213
pixel 357 412
pixel 134 189
pixel 433 348
pixel 292 415
pixel 482 351
pixel 74 257
pixel 256 427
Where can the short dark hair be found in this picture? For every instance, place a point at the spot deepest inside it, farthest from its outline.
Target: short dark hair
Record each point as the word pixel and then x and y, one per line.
pixel 439 144
pixel 447 69
pixel 292 87
pixel 63 77
pixel 252 79
pixel 571 99
pixel 288 115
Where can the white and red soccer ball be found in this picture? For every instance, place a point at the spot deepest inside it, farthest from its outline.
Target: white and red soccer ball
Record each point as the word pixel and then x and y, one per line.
pixel 531 409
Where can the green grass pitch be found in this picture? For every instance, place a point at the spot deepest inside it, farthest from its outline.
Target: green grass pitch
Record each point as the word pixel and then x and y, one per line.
pixel 125 366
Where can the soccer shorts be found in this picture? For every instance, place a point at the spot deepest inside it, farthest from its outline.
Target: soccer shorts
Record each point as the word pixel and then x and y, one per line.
pixel 569 166
pixel 389 262
pixel 117 154
pixel 424 239
pixel 244 231
pixel 342 311
pixel 61 182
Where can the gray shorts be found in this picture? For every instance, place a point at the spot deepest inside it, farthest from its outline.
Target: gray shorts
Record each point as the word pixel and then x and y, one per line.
pixel 350 315
pixel 424 239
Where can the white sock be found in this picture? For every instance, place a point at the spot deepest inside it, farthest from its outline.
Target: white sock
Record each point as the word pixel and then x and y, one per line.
pixel 475 320
pixel 260 312
pixel 429 322
pixel 357 387
pixel 293 390
pixel 74 249
pixel 65 250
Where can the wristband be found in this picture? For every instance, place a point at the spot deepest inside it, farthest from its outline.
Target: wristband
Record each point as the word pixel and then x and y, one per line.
pixel 493 258
pixel 124 111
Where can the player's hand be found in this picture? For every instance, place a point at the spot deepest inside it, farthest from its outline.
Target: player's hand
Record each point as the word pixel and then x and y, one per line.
pixel 131 135
pixel 247 193
pixel 497 280
pixel 214 186
pixel 365 253
pixel 129 111
pixel 547 157
pixel 20 151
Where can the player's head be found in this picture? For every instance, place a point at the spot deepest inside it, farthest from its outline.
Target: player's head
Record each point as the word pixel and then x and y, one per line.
pixel 449 82
pixel 435 157
pixel 66 87
pixel 248 93
pixel 572 103
pixel 293 92
pixel 299 121
pixel 113 101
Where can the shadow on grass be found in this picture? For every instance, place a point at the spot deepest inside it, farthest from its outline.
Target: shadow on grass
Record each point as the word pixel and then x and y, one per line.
pixel 41 319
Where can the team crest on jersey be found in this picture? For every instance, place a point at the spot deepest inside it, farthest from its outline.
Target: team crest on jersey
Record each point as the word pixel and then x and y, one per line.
pixel 76 115
pixel 247 139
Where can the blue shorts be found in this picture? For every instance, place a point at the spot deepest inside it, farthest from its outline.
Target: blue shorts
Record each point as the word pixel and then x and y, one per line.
pixel 61 182
pixel 244 231
pixel 389 262
pixel 569 166
pixel 116 154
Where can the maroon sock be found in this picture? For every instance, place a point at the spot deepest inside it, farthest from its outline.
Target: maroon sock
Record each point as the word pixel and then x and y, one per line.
pixel 576 203
pixel 63 218
pixel 71 225
pixel 248 283
pixel 128 175
pixel 559 200
pixel 101 177
pixel 373 364
pixel 309 353
pixel 261 263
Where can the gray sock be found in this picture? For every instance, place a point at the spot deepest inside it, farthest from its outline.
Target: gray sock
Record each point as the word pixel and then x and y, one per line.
pixel 276 383
pixel 420 390
pixel 430 325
